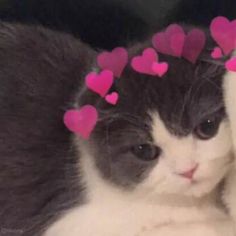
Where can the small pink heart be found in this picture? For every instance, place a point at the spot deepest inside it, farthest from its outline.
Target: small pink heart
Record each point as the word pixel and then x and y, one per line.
pixel 114 61
pixel 143 64
pixel 224 33
pixel 216 53
pixel 81 121
pixel 160 68
pixel 170 42
pixel 112 98
pixel 194 44
pixel 231 64
pixel 100 83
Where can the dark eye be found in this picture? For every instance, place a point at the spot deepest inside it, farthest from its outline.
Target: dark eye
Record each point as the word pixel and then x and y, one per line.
pixel 207 129
pixel 146 152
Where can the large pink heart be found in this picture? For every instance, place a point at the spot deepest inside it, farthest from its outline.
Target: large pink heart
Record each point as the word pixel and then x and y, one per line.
pixel 170 42
pixel 114 61
pixel 100 83
pixel 143 64
pixel 81 121
pixel 194 44
pixel 224 33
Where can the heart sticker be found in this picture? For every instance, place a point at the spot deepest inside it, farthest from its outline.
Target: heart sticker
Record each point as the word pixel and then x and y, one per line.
pixel 194 44
pixel 231 64
pixel 147 62
pixel 160 68
pixel 224 33
pixel 112 98
pixel 143 64
pixel 114 61
pixel 176 43
pixel 81 121
pixel 100 83
pixel 170 42
pixel 216 53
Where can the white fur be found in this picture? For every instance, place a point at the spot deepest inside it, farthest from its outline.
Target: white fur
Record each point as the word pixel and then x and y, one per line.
pixel 230 101
pixel 165 203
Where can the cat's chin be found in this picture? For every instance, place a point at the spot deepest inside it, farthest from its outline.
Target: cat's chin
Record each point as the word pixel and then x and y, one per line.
pixel 196 188
pixel 191 190
pixel 200 189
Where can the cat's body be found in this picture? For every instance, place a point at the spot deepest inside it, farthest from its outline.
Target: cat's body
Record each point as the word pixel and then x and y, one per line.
pixel 54 184
pixel 40 74
pixel 116 214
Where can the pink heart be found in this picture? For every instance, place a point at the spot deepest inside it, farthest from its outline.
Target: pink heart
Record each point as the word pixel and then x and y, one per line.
pixel 177 44
pixel 224 33
pixel 81 121
pixel 160 42
pixel 112 98
pixel 216 53
pixel 160 68
pixel 170 42
pixel 114 61
pixel 143 64
pixel 194 44
pixel 100 83
pixel 231 64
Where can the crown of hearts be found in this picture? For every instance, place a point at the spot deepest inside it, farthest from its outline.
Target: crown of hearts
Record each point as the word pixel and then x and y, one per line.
pixel 174 41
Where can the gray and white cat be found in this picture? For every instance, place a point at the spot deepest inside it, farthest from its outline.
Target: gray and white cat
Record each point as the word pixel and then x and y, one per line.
pixel 152 166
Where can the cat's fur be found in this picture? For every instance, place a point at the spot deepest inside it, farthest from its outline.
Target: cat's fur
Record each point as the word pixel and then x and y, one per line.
pixel 40 74
pixel 55 184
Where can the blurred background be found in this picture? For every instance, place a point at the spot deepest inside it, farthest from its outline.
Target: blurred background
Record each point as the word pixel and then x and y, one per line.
pixel 110 23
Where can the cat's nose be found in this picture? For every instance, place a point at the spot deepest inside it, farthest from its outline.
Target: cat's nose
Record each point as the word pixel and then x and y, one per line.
pixel 189 173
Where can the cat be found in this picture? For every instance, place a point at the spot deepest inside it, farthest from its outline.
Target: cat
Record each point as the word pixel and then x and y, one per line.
pixel 152 166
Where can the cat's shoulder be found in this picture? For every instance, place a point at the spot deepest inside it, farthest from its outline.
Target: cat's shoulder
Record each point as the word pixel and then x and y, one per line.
pixel 37 63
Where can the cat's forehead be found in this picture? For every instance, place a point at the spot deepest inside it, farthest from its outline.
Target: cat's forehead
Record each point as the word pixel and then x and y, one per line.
pixel 184 96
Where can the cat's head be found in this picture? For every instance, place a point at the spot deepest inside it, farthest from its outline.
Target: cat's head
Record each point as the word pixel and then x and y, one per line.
pixel 166 135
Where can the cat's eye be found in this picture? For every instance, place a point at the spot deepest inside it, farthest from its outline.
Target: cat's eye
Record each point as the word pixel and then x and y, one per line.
pixel 146 152
pixel 207 129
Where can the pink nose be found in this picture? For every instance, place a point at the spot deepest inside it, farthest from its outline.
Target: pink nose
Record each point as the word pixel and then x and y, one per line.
pixel 190 173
